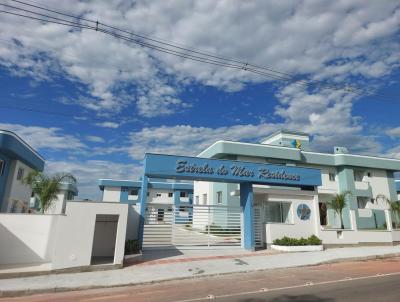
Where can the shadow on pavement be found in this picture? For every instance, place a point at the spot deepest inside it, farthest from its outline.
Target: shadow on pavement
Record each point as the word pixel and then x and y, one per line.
pixel 290 298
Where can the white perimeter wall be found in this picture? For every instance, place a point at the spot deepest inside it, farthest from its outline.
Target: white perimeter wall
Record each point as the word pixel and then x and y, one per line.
pixel 64 240
pixel 75 233
pixel 26 238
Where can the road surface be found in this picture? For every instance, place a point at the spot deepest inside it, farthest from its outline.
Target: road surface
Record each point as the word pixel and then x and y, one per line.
pixel 373 280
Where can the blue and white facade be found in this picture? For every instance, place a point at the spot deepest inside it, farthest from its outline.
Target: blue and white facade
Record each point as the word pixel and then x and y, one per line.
pixel 300 211
pixel 161 196
pixel 17 159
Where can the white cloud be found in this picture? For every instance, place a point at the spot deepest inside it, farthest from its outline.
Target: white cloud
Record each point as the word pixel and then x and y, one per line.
pixel 335 41
pixel 394 132
pixel 327 115
pixel 112 125
pixel 188 140
pixel 45 138
pixel 95 139
pixel 88 172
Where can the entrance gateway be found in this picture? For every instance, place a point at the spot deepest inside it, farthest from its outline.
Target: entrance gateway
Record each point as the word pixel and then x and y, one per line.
pixel 198 223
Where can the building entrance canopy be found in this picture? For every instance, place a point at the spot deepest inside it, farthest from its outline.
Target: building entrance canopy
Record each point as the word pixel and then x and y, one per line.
pixel 226 171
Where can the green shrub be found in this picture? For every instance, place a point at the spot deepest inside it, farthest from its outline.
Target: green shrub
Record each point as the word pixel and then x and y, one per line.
pixel 287 241
pixel 131 247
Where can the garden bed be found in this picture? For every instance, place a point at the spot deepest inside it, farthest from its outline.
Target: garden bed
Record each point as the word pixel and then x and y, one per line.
pixel 286 244
pixel 298 248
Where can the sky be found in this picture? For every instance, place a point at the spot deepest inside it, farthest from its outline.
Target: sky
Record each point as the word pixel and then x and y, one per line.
pixel 93 104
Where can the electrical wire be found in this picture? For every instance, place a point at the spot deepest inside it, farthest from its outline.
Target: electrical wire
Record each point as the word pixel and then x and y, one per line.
pixel 199 56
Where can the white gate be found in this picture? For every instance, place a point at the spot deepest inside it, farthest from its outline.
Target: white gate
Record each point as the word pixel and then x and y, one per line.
pixel 258 226
pixel 157 230
pixel 193 226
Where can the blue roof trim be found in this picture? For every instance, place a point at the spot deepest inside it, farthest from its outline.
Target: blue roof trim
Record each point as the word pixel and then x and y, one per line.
pixel 16 148
pixel 220 148
pixel 138 184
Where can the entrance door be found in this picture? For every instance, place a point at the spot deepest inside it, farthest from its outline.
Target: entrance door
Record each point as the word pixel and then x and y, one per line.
pixel 104 238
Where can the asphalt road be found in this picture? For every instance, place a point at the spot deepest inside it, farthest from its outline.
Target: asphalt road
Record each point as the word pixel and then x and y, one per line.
pixel 373 280
pixel 385 288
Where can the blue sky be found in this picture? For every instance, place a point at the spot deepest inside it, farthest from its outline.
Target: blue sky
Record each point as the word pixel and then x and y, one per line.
pixel 111 101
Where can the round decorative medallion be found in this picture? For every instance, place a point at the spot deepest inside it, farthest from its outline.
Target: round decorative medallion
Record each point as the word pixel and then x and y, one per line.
pixel 303 211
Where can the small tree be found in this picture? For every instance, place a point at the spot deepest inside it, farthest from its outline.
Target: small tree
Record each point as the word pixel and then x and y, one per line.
pixel 47 187
pixel 338 203
pixel 394 207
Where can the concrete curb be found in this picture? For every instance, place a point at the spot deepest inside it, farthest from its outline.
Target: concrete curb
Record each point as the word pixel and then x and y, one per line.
pixel 16 293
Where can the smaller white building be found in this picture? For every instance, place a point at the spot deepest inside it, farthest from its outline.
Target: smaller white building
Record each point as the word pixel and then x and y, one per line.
pixel 17 160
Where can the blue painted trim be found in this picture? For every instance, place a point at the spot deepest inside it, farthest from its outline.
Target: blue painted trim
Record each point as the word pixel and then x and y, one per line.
pixel 15 148
pixel 138 184
pixel 143 204
pixel 4 178
pixel 123 197
pixel 229 171
pixel 246 202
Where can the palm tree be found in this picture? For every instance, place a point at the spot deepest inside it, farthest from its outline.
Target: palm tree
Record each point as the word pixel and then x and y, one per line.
pixel 338 203
pixel 394 207
pixel 47 187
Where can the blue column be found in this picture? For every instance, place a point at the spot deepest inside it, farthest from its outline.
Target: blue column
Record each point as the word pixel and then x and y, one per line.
pixel 177 201
pixel 143 204
pixel 123 197
pixel 177 198
pixel 246 202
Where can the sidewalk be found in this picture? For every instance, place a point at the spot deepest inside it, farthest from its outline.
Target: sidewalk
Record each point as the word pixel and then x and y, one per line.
pixel 148 272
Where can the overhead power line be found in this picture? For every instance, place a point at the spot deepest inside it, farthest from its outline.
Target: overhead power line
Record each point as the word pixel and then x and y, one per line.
pixel 53 16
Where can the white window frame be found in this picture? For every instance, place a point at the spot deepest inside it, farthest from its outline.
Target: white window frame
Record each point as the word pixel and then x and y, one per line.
pixel 197 199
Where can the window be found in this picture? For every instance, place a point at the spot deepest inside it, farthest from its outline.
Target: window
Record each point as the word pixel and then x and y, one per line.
pixel 170 194
pixel 278 212
pixel 369 174
pixel 184 194
pixel 160 214
pixel 148 193
pixel 219 197
pixel 332 176
pixel 1 167
pixel 20 174
pixel 197 199
pixel 204 198
pixel 362 202
pixel 158 194
pixel 134 192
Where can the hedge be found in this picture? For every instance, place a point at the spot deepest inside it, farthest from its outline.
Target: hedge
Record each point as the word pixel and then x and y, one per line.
pixel 286 241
